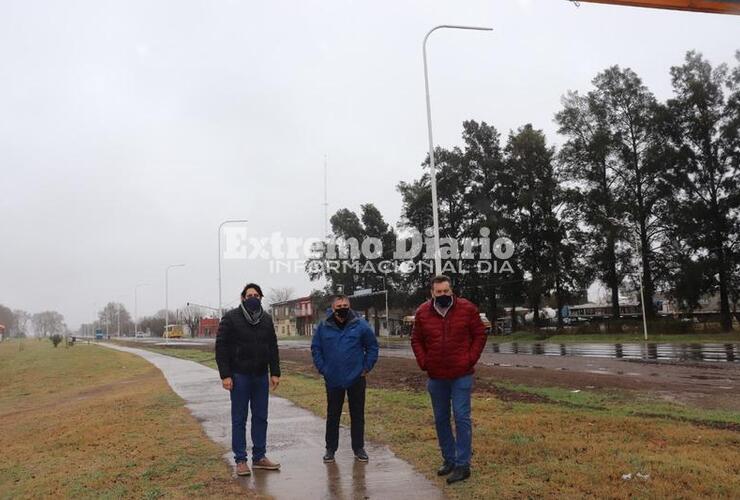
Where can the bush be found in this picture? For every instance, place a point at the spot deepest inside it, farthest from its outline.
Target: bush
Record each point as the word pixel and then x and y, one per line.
pixel 56 339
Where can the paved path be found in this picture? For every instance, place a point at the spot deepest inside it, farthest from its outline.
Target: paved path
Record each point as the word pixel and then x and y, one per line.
pixel 296 440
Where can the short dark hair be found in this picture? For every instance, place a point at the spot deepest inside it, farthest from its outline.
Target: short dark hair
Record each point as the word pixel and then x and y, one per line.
pixel 252 285
pixel 339 296
pixel 440 278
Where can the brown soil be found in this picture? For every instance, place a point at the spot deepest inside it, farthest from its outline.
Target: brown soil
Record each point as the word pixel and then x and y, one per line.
pixel 403 373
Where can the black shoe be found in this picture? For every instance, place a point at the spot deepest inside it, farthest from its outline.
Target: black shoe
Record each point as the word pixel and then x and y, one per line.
pixel 361 455
pixel 329 457
pixel 459 474
pixel 446 468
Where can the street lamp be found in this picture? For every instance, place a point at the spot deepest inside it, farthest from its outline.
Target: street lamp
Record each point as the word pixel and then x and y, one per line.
pixel 387 318
pixel 229 221
pixel 432 172
pixel 638 250
pixel 167 295
pixel 136 305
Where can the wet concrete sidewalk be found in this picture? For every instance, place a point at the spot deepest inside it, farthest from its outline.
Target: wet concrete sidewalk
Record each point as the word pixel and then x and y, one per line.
pixel 295 438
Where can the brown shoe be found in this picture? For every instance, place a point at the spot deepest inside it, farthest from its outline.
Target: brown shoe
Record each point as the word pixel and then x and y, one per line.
pixel 242 469
pixel 265 463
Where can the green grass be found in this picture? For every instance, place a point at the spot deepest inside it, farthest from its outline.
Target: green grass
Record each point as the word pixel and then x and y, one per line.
pixel 573 445
pixel 91 422
pixel 628 403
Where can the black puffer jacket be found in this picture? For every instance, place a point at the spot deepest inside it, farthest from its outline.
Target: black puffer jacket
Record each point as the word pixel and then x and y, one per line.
pixel 245 348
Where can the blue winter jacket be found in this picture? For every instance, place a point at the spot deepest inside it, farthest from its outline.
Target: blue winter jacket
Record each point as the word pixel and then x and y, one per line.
pixel 341 354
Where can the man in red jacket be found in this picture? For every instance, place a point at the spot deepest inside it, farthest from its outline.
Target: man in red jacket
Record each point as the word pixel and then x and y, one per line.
pixel 447 339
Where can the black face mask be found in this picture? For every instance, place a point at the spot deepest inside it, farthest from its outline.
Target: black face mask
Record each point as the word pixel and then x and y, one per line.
pixel 443 301
pixel 342 313
pixel 252 304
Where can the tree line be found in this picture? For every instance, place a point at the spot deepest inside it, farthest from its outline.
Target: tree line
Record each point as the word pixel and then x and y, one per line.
pixel 19 323
pixel 638 185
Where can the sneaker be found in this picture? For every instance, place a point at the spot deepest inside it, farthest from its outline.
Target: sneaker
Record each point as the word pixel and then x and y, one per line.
pixel 265 463
pixel 329 457
pixel 445 469
pixel 242 469
pixel 459 474
pixel 361 456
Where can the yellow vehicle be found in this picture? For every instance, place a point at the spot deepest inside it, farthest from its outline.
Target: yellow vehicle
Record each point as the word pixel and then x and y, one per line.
pixel 173 332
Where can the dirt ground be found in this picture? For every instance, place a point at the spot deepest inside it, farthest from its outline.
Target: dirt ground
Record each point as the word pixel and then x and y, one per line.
pixel 711 386
pixel 705 385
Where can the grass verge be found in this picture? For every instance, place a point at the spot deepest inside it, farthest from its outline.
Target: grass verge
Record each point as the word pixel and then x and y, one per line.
pixel 88 421
pixel 559 444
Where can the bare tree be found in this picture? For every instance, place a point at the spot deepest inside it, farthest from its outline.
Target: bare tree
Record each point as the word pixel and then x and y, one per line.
pixel 48 323
pixel 191 316
pixel 280 294
pixel 113 315
pixel 21 323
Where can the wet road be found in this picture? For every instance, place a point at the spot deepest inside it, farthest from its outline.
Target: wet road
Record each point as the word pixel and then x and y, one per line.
pixel 296 440
pixel 711 352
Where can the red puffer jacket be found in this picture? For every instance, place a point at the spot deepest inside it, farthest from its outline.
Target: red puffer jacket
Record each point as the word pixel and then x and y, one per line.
pixel 448 347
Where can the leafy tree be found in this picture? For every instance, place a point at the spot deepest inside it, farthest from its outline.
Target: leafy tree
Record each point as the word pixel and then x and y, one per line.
pixel 631 114
pixel 540 227
pixel 7 318
pixel 152 324
pixel 347 249
pixel 588 159
pixel 486 197
pixel 704 119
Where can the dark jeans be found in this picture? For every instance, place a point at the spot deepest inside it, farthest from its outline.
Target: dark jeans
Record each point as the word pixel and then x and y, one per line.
pixel 249 390
pixel 334 404
pixel 455 450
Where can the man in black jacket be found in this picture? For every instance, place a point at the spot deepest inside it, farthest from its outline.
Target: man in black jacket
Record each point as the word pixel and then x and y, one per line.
pixel 246 346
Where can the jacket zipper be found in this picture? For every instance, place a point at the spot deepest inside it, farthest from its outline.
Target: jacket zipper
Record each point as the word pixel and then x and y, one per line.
pixel 444 333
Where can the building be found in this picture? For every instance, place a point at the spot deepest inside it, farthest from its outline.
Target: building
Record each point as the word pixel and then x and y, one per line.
pixel 208 327
pixel 295 316
pixel 603 311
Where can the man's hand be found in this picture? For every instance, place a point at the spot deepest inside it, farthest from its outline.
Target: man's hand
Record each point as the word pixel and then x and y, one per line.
pixel 228 383
pixel 274 382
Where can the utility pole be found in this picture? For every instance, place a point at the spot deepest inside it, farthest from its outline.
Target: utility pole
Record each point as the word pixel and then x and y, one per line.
pixel 326 198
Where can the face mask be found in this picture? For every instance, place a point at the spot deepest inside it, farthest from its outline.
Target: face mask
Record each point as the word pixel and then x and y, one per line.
pixel 252 304
pixel 443 301
pixel 342 313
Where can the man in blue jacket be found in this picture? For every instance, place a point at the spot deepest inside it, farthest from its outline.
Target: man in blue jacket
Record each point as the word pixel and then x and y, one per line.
pixel 344 350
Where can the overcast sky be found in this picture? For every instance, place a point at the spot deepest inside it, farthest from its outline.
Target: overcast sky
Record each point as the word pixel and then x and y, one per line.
pixel 129 130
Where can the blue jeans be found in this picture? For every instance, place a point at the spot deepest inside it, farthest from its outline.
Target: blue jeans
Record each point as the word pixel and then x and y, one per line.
pixel 249 390
pixel 456 450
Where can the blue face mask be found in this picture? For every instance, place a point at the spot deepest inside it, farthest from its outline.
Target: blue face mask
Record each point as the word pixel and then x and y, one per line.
pixel 443 301
pixel 252 304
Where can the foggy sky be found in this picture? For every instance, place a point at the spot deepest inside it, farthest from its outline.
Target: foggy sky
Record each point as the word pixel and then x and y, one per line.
pixel 130 130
